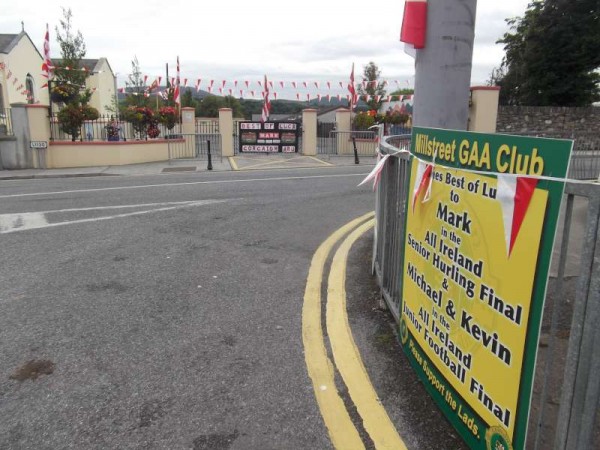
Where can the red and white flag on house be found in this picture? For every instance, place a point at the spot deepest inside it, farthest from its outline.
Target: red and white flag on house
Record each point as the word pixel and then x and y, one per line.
pixel 176 92
pixel 266 104
pixel 514 194
pixel 414 26
pixel 47 64
pixel 352 90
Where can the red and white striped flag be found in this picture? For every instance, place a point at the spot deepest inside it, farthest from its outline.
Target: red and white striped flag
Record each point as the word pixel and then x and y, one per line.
pixel 266 104
pixel 47 64
pixel 352 90
pixel 414 26
pixel 176 92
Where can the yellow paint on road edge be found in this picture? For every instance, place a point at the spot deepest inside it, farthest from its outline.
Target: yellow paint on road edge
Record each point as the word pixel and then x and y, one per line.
pixel 232 163
pixel 347 357
pixel 342 432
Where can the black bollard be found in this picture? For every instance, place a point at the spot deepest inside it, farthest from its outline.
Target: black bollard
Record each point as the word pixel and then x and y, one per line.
pixel 209 156
pixel 355 151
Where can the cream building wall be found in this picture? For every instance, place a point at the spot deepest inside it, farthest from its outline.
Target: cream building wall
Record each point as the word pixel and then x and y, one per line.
pixel 103 80
pixel 21 60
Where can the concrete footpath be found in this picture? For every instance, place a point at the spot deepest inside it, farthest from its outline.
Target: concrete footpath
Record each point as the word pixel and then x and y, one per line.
pixel 235 163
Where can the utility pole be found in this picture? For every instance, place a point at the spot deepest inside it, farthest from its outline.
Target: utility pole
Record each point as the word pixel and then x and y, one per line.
pixel 443 67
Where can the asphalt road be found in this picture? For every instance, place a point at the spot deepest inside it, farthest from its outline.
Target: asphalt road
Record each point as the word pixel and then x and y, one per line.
pixel 165 312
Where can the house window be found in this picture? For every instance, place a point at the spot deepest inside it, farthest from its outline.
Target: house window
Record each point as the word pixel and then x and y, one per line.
pixel 30 89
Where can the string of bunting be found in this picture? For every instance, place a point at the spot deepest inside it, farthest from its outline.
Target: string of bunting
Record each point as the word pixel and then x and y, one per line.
pixel 21 89
pixel 212 85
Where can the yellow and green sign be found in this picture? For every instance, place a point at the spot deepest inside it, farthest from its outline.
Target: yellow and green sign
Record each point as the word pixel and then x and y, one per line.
pixel 480 225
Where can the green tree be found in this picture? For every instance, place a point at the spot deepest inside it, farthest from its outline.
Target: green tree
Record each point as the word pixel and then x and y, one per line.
pixel 235 105
pixel 72 51
pixel 208 106
pixel 187 99
pixel 404 91
pixel 552 55
pixel 372 86
pixel 135 87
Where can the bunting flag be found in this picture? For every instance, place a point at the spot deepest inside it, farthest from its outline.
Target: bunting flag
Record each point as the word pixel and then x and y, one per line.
pixel 308 96
pixel 271 84
pixel 328 85
pixel 209 89
pixel 266 104
pixel 319 98
pixel 47 63
pixel 212 82
pixel 223 83
pixel 235 83
pixel 281 84
pixel 351 89
pixel 275 95
pixel 305 84
pixel 252 93
pixel 153 86
pixel 342 83
pixel 198 84
pixel 329 98
pixel 230 91
pixel 297 95
pixel 259 84
pixel 423 183
pixel 241 93
pixel 375 174
pixel 294 84
pixel 316 84
pixel 514 194
pixel 220 90
pixel 185 80
pixel 414 25
pixel 145 78
pixel 159 80
pixel 247 83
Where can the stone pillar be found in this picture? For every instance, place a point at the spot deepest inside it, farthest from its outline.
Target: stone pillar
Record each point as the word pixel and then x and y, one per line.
pixel 188 130
pixel 39 130
pixel 18 155
pixel 226 129
pixel 309 132
pixel 483 108
pixel 343 120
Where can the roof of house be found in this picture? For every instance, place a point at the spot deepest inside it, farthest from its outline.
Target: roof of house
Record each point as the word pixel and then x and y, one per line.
pixel 90 64
pixel 9 41
pixel 6 42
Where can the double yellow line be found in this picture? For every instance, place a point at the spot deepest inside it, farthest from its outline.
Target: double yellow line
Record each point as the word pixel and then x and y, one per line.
pixel 346 356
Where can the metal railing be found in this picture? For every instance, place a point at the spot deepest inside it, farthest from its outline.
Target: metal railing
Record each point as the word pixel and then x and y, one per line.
pixel 107 128
pixel 566 392
pixel 5 122
pixel 194 146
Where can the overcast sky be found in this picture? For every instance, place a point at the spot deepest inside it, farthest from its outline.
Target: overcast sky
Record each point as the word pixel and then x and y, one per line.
pixel 291 41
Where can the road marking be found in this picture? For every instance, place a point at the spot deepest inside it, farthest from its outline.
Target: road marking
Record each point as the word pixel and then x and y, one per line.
pixel 11 223
pixel 232 163
pixel 191 183
pixel 321 161
pixel 342 432
pixel 347 357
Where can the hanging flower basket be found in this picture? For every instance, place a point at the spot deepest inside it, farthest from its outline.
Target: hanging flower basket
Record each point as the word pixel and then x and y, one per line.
pixel 63 93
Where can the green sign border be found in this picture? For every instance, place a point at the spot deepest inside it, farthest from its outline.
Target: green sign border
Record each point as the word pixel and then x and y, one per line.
pixel 556 154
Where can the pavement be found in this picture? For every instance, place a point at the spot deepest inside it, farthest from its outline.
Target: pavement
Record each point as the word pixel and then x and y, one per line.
pixel 234 163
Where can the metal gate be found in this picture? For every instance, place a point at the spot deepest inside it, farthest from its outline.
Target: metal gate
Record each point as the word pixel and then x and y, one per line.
pixel 194 146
